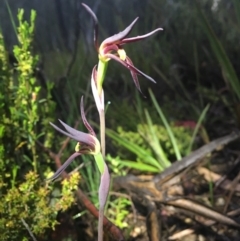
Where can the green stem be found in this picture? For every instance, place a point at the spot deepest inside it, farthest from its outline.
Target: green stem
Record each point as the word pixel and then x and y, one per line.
pixel 102 132
pixel 102 192
pixel 34 158
pixel 101 72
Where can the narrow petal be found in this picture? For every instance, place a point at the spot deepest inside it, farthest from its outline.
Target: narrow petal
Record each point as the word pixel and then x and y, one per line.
pixel 85 122
pixel 134 74
pixel 64 166
pixel 62 131
pixel 130 67
pixel 135 39
pixel 78 135
pixel 133 68
pixel 75 134
pixel 117 37
pixel 95 21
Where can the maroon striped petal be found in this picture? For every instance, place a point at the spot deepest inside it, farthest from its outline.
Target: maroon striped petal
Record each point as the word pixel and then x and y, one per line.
pixel 132 68
pixel 79 135
pixel 62 131
pixel 118 37
pixel 95 21
pixel 64 166
pixel 85 122
pixel 134 74
pixel 75 134
pixel 135 39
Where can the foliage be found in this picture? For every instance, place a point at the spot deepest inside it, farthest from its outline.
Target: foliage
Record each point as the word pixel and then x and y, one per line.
pixel 143 138
pixel 90 173
pixel 118 211
pixel 154 152
pixel 26 109
pixel 229 73
pixel 117 206
pixel 147 146
pixel 30 201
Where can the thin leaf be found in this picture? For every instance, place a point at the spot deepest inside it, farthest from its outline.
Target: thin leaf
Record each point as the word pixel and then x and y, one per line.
pixel 196 129
pixel 139 166
pixel 220 53
pixel 155 144
pixel 167 126
pixel 236 4
pixel 11 18
pixel 141 153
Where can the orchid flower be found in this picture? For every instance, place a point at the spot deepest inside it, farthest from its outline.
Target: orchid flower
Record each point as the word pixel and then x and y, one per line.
pixel 87 143
pixel 112 48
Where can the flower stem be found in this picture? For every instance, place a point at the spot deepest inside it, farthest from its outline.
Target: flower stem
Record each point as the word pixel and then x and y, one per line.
pixel 101 72
pixel 102 192
pixel 105 178
pixel 100 224
pixel 102 132
pixel 103 151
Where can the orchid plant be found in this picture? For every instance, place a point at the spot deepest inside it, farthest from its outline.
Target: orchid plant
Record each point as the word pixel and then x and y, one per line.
pixel 110 48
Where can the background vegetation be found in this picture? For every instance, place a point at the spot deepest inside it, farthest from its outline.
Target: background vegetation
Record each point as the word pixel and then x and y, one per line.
pixel 45 66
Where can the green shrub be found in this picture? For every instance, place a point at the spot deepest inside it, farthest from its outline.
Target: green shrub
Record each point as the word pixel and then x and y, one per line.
pixel 142 137
pixel 26 109
pixel 30 202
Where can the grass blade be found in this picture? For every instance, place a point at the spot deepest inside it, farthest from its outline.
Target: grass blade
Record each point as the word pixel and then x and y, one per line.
pixel 139 166
pixel 154 143
pixel 196 129
pixel 167 126
pixel 141 153
pixel 11 18
pixel 236 5
pixel 226 65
